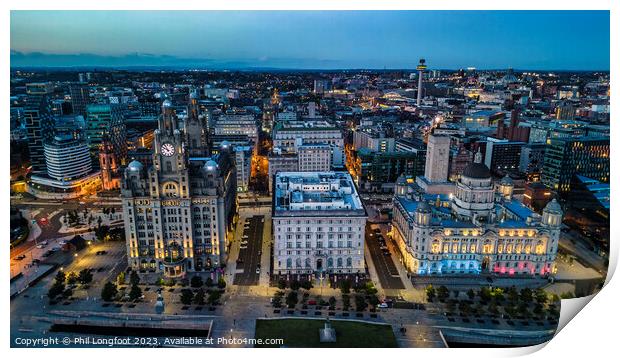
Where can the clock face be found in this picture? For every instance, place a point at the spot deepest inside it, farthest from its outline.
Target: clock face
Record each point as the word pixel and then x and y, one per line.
pixel 167 149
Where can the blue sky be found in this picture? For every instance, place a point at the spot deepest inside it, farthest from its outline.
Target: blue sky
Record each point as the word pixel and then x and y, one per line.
pixel 571 40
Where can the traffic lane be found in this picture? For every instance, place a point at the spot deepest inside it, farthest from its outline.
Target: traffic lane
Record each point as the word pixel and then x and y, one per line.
pixel 251 277
pixel 381 264
pixel 249 255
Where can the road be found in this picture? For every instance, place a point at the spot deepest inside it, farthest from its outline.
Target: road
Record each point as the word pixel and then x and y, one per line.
pixel 385 267
pixel 572 243
pixel 250 257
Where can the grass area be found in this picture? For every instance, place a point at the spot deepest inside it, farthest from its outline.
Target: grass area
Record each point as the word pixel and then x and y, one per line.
pixel 304 333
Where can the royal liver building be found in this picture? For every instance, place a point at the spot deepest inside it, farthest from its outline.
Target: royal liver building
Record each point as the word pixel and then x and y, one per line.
pixel 177 212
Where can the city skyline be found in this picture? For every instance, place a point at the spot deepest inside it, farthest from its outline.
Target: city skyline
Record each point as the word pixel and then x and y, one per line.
pixel 333 40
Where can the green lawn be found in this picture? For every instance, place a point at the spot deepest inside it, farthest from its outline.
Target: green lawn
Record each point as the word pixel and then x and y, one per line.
pixel 305 333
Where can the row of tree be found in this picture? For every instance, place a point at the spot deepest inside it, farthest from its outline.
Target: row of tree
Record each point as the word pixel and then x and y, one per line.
pixel 58 288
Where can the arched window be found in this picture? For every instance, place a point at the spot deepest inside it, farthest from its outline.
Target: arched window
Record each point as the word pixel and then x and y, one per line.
pixel 435 247
pixel 289 263
pixel 349 262
pixel 330 262
pixel 308 262
pixel 540 248
pixel 339 262
pixel 298 262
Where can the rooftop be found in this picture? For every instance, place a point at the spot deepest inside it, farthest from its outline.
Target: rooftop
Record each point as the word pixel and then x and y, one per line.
pixel 316 194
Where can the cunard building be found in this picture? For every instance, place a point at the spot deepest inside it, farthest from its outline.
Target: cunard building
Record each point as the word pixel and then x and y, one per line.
pixel 177 211
pixel 477 229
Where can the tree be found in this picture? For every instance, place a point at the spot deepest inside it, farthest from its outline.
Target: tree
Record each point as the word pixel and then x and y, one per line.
pixel 56 289
pixel 526 295
pixel 209 282
pixel 221 284
pixel 109 291
pixel 186 296
pixel 295 285
pixel 281 284
pixel 60 277
pixel 135 292
pixel 306 285
pixel 430 293
pixel 471 294
pixel 85 277
pixel 134 278
pixel 332 303
pixel 541 296
pixel 485 294
pixel 196 281
pixel 513 295
pixel 346 302
pixel 72 278
pixel 442 293
pixel 291 299
pixel 199 297
pixel 214 297
pixel 360 303
pixel 345 286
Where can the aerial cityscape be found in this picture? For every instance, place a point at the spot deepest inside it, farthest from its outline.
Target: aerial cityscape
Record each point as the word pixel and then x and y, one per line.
pixel 294 187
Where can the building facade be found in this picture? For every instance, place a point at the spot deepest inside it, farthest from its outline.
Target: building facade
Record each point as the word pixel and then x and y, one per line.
pixel 483 231
pixel 178 211
pixel 318 224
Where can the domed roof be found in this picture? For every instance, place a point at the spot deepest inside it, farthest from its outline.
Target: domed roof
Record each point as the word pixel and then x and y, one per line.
pixel 477 171
pixel 507 180
pixel 423 207
pixel 553 207
pixel 135 166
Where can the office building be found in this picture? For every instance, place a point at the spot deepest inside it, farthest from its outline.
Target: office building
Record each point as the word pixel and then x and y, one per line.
pixel 39 122
pixel 586 156
pixel 318 224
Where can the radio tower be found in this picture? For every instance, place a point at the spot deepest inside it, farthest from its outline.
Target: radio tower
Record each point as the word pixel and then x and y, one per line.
pixel 421 67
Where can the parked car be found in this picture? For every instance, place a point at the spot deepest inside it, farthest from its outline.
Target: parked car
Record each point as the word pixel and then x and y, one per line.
pixel 257 270
pixel 382 305
pixel 243 247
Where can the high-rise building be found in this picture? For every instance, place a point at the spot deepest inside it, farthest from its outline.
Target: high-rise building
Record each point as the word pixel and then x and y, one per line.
pixel 80 98
pixel 565 157
pixel 178 211
pixel 503 156
pixel 69 171
pixel 107 120
pixel 437 158
pixel 565 111
pixel 318 224
pixel 39 122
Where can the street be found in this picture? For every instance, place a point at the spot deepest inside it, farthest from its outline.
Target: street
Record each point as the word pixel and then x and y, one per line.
pixel 249 256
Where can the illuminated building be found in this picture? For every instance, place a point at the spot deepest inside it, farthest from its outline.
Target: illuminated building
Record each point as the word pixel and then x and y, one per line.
pixel 69 170
pixel 107 120
pixel 178 210
pixel 39 122
pixel 478 230
pixel 586 156
pixel 110 174
pixel 503 156
pixel 318 224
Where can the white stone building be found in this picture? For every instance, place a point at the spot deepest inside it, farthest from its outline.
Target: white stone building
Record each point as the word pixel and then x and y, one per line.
pixel 318 224
pixel 477 230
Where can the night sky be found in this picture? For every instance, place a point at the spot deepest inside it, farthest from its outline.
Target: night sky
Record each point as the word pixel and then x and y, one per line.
pixel 537 40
